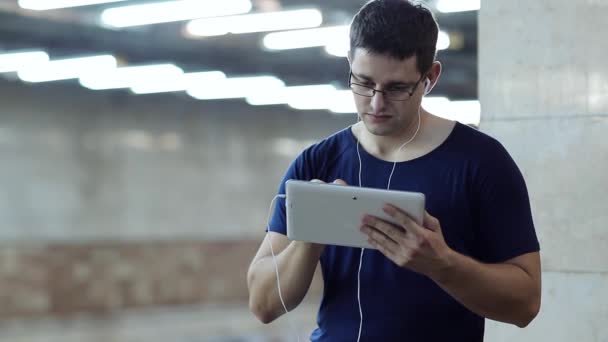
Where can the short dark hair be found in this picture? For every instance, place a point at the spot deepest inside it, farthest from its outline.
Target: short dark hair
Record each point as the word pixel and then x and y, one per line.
pixel 398 28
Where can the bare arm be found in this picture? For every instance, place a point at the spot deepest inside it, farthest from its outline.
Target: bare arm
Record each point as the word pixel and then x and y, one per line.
pixel 296 262
pixel 509 292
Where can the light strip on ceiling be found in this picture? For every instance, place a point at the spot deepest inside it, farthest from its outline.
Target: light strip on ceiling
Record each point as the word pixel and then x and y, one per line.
pixel 320 97
pixel 451 6
pixel 15 61
pixel 306 38
pixel 466 112
pixel 340 48
pixel 335 39
pixel 64 69
pixel 259 22
pixel 343 103
pixel 169 11
pixel 299 97
pixel 443 40
pixel 100 72
pixel 236 87
pixel 180 83
pixel 127 77
pixel 43 5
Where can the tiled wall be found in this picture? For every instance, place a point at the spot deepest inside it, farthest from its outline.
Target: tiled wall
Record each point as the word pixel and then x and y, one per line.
pixel 63 279
pixel 109 201
pixel 543 85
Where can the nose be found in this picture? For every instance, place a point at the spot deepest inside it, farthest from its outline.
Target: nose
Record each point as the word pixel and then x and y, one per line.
pixel 378 103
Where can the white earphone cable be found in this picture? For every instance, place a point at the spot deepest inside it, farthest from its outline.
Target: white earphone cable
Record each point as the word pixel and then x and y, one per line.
pixel 363 249
pixel 274 259
pixel 276 265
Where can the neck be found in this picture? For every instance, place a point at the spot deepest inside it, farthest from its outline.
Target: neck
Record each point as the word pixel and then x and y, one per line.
pixel 388 147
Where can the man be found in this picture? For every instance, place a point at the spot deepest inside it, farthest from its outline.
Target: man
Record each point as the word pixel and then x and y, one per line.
pixel 475 256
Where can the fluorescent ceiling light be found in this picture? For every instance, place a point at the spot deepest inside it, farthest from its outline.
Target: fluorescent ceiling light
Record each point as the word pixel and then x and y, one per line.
pixel 261 22
pixel 130 76
pixel 344 102
pixel 180 83
pixel 324 96
pixel 291 95
pixel 16 61
pixel 267 98
pixel 443 40
pixel 312 97
pixel 338 49
pixel 163 12
pixel 335 39
pixel 450 6
pixel 67 68
pixel 306 38
pixel 43 5
pixel 236 87
pixel 435 102
pixel 466 112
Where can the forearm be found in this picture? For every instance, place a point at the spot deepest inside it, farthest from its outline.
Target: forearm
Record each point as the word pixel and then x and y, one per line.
pixel 296 265
pixel 502 292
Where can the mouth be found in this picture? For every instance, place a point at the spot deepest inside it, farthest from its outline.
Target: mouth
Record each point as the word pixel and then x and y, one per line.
pixel 379 116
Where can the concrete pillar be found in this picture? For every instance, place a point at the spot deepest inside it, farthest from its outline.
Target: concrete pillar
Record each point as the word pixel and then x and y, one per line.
pixel 544 94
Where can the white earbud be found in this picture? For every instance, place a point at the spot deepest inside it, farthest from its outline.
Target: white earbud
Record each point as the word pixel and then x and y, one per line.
pixel 427 86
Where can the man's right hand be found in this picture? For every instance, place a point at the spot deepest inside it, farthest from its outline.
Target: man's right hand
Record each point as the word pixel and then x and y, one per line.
pixel 296 260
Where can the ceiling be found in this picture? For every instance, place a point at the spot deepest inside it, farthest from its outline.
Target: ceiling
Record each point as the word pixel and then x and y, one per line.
pixel 76 31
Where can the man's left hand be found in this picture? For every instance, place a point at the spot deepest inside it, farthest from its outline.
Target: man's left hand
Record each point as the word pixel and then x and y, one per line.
pixel 420 248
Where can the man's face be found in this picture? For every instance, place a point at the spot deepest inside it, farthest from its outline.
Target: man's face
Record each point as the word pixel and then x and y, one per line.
pixel 382 116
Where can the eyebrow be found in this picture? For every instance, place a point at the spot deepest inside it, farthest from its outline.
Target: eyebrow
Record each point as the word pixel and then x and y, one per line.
pixel 390 83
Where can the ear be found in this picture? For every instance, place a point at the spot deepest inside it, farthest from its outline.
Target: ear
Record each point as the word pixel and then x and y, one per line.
pixel 434 73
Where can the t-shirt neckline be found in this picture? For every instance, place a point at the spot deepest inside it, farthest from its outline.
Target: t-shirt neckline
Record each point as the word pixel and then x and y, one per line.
pixel 353 140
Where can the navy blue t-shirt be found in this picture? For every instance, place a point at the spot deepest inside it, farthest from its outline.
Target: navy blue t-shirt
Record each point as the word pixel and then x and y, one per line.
pixel 478 194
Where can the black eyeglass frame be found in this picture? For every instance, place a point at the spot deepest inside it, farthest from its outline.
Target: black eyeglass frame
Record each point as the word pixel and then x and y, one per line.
pixel 383 92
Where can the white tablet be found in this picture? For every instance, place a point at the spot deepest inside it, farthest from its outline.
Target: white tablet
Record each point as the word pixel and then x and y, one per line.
pixel 331 214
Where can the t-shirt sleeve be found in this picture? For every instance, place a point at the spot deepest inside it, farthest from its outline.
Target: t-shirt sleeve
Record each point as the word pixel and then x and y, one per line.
pixel 301 169
pixel 506 228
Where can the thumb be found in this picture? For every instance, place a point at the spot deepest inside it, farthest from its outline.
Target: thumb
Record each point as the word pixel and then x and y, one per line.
pixel 430 222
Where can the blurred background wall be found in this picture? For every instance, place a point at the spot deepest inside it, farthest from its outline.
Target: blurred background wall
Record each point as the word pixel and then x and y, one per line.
pixel 133 217
pixel 543 85
pixel 112 202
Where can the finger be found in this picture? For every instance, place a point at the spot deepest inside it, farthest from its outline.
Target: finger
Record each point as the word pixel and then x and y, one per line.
pixel 394 232
pixel 372 232
pixel 382 249
pixel 340 182
pixel 380 241
pixel 405 220
pixel 431 222
pixel 316 181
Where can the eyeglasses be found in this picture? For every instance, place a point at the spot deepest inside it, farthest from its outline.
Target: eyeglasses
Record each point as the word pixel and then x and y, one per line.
pixel 395 93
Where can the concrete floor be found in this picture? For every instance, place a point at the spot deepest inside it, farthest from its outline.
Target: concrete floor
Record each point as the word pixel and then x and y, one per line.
pixel 207 323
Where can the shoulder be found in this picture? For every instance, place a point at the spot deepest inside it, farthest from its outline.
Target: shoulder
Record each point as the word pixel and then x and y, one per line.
pixel 475 138
pixel 330 147
pixel 315 160
pixel 480 154
pixel 490 161
pixel 478 145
